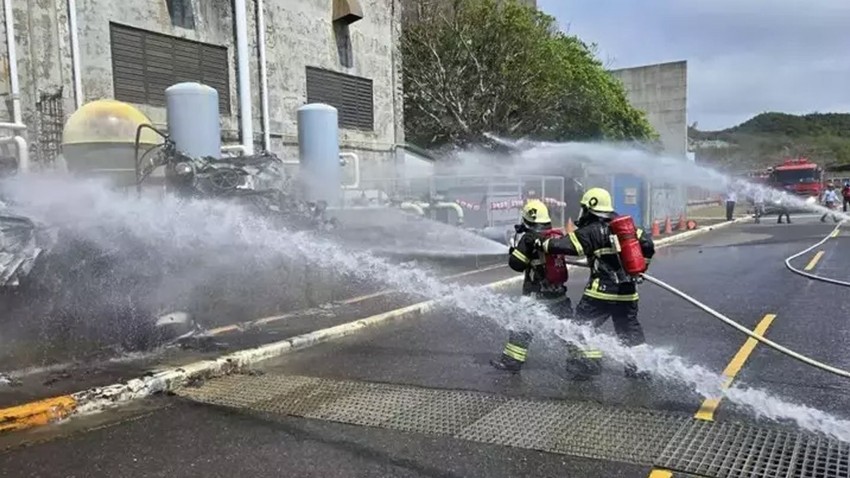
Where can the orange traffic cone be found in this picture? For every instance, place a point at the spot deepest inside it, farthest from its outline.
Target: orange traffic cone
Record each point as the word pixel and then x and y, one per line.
pixel 570 228
pixel 681 226
pixel 668 227
pixel 656 231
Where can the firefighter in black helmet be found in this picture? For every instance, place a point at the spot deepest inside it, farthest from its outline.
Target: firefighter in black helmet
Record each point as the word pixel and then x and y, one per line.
pixel 550 288
pixel 610 292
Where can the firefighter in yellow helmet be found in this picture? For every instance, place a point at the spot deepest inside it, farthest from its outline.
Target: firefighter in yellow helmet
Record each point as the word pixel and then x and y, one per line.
pixel 545 278
pixel 610 291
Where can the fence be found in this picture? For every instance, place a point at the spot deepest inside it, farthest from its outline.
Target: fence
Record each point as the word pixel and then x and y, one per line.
pixel 484 201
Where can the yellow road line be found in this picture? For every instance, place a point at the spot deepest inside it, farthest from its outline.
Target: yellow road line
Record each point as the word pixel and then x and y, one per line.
pixel 37 413
pixel 812 263
pixel 836 232
pixel 709 405
pixel 660 474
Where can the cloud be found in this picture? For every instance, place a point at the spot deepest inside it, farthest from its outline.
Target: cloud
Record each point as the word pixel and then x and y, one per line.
pixel 744 57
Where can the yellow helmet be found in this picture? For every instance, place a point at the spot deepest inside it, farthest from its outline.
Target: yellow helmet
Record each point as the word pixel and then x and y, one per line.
pixel 598 201
pixel 535 212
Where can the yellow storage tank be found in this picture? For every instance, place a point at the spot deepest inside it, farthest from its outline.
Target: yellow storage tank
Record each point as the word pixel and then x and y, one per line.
pixel 99 140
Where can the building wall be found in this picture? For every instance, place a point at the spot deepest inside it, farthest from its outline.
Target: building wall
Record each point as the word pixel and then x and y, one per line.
pixel 298 34
pixel 661 91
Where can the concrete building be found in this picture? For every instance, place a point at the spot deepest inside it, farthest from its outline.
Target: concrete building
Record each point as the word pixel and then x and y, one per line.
pixel 316 50
pixel 661 92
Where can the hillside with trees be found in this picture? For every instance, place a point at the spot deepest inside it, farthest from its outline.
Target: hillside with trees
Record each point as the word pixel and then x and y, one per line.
pixel 485 66
pixel 766 138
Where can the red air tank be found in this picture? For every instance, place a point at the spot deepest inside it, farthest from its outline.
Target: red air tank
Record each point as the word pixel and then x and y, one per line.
pixel 555 266
pixel 631 255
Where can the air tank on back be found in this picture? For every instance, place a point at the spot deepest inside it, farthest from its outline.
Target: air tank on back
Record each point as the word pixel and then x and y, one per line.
pixel 318 147
pixel 193 119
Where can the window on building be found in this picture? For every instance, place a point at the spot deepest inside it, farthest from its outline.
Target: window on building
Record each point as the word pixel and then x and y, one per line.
pixel 145 63
pixel 350 95
pixel 181 12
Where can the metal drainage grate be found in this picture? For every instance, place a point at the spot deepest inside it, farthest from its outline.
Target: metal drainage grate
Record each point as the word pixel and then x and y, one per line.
pixel 739 450
pixel 580 429
pixel 672 441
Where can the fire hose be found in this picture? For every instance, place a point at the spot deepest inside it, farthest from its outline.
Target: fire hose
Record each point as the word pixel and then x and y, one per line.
pixel 816 277
pixel 735 325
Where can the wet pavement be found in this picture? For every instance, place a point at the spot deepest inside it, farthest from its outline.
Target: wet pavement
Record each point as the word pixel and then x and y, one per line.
pixel 61 379
pixel 738 271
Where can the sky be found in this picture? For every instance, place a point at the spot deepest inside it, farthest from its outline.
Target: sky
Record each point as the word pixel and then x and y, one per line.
pixel 744 57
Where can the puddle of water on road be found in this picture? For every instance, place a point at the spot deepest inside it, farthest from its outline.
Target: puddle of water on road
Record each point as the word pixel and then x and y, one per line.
pixel 172 227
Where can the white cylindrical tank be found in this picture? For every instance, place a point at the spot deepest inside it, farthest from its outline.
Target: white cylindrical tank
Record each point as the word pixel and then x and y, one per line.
pixel 193 120
pixel 318 147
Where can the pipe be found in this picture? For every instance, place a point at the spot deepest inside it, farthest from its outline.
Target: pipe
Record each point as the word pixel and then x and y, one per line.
pixel 412 207
pixel 264 77
pixel 23 151
pixel 13 126
pixel 229 148
pixel 451 205
pixel 749 333
pixel 356 160
pixel 75 54
pixel 240 148
pixel 245 114
pixel 17 115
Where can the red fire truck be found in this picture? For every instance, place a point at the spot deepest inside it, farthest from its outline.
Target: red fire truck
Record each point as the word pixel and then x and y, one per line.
pixel 799 176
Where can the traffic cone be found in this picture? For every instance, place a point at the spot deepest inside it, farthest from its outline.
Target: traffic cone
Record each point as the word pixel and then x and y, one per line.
pixel 570 228
pixel 656 231
pixel 668 227
pixel 681 226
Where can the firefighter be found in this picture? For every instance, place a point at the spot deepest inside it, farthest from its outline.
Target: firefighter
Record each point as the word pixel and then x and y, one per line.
pixel 830 201
pixel 547 288
pixel 610 291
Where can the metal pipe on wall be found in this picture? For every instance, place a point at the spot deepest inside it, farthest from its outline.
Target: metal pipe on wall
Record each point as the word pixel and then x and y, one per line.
pixel 23 151
pixel 17 115
pixel 245 114
pixel 75 54
pixel 264 78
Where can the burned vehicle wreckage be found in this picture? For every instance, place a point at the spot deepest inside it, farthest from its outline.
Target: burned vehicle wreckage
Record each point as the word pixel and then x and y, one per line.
pixel 129 294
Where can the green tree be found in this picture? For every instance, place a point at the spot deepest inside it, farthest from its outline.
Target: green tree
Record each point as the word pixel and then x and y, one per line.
pixel 486 66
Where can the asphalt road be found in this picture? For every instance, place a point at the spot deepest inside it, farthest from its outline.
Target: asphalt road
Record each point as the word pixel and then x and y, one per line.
pixel 738 271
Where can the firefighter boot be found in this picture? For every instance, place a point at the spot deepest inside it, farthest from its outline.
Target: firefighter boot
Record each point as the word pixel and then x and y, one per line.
pixel 515 352
pixel 584 364
pixel 632 372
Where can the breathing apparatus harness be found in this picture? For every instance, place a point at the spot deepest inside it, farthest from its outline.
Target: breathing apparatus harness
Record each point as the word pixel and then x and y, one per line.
pixel 625 246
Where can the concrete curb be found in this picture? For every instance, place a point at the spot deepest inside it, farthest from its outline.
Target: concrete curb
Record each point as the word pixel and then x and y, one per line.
pixel 99 399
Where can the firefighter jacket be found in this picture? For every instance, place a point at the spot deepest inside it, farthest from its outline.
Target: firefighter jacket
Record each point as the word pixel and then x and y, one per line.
pixel 608 280
pixel 528 259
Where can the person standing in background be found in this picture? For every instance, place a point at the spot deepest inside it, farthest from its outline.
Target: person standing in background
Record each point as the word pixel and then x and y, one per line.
pixel 830 201
pixel 782 204
pixel 758 204
pixel 731 199
pixel 845 193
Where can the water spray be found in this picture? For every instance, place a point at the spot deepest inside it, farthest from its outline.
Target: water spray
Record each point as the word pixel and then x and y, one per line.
pixel 199 227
